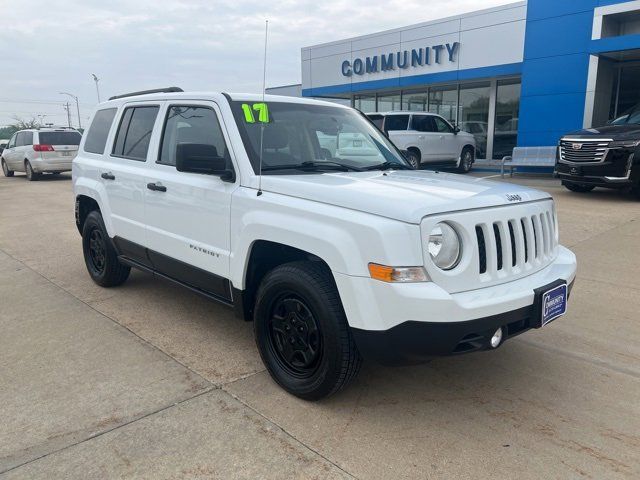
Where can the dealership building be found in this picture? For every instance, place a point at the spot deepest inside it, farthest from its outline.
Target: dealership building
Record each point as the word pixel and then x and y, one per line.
pixel 518 75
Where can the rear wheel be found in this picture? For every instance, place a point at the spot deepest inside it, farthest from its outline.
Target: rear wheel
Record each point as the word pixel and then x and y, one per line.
pixel 413 158
pixel 31 175
pixel 466 160
pixel 302 333
pixel 99 255
pixel 578 187
pixel 5 169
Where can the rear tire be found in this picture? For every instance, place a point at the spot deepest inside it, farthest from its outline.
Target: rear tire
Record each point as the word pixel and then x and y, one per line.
pixel 302 333
pixel 578 187
pixel 100 256
pixel 466 160
pixel 28 169
pixel 5 169
pixel 413 158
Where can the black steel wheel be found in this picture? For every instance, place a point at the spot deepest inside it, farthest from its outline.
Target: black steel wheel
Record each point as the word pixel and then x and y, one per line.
pixel 302 333
pixel 100 256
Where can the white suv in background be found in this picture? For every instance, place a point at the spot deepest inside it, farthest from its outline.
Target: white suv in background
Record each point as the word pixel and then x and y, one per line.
pixel 41 150
pixel 428 139
pixel 309 222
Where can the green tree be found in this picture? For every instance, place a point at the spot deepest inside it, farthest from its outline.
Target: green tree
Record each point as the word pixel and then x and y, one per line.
pixel 18 124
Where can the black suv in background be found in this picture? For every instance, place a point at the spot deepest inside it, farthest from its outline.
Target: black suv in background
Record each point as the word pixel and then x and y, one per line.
pixel 607 156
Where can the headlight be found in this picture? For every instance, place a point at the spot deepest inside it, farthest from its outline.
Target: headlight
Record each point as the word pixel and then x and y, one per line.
pixel 625 144
pixel 444 246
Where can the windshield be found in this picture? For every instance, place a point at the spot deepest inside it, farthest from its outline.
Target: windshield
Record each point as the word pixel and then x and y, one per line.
pixel 632 116
pixel 312 137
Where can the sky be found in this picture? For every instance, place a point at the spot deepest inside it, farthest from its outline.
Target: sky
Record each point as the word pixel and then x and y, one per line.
pixel 48 47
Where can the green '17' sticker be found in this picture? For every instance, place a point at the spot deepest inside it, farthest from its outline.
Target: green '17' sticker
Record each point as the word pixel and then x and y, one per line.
pixel 261 108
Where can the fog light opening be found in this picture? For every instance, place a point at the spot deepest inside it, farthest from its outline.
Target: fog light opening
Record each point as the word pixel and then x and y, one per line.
pixel 496 340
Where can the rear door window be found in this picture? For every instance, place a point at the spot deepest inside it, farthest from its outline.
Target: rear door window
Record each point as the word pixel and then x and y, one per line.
pixel 99 130
pixel 396 122
pixel 134 132
pixel 423 123
pixel 20 139
pixel 28 138
pixel 59 138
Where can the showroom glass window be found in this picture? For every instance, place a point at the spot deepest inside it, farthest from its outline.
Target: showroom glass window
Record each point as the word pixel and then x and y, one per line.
pixel 415 101
pixel 505 136
pixel 444 101
pixel 474 114
pixel 389 103
pixel 365 103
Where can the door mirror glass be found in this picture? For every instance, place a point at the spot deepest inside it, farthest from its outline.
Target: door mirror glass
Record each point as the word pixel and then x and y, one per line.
pixel 200 158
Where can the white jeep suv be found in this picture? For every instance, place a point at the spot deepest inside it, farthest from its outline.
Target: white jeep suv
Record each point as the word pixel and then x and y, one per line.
pixel 339 251
pixel 40 150
pixel 428 139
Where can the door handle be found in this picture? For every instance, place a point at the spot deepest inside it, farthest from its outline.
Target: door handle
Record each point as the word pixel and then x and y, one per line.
pixel 156 187
pixel 421 137
pixel 108 176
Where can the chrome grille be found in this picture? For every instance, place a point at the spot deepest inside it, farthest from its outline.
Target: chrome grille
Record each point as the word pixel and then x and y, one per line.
pixel 512 245
pixel 582 151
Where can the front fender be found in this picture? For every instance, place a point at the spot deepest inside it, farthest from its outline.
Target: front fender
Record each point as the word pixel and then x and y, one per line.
pixel 346 240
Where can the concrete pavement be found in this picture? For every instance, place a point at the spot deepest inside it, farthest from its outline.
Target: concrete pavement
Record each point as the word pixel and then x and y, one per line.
pixel 149 380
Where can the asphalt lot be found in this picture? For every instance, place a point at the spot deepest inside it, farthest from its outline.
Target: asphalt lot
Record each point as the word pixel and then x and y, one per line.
pixel 149 380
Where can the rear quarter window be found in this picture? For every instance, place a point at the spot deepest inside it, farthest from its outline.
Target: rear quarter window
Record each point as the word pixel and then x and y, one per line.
pixel 99 130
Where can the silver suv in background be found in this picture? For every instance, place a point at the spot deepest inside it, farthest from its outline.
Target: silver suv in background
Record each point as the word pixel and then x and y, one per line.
pixel 428 139
pixel 41 150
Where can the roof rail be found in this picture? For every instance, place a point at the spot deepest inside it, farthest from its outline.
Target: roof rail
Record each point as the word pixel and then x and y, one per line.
pixel 145 92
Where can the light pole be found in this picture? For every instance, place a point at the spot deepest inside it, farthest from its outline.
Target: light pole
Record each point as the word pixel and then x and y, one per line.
pixel 68 109
pixel 96 79
pixel 41 117
pixel 77 106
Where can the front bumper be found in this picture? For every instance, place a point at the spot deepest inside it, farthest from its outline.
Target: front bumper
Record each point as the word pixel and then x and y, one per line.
pixel 414 321
pixel 415 342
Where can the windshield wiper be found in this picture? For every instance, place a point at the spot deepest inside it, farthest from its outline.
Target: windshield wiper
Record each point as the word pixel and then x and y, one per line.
pixel 390 165
pixel 314 166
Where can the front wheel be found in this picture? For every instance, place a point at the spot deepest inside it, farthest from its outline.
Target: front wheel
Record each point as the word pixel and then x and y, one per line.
pixel 5 169
pixel 466 160
pixel 578 187
pixel 100 257
pixel 302 333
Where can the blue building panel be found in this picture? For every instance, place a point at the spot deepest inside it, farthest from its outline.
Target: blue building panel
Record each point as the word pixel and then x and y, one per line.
pixel 556 75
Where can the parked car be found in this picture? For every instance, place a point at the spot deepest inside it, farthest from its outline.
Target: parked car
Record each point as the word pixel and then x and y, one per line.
pixel 428 139
pixel 40 150
pixel 605 156
pixel 3 145
pixel 334 247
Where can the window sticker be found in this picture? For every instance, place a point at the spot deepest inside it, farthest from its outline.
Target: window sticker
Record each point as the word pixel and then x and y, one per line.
pixel 261 108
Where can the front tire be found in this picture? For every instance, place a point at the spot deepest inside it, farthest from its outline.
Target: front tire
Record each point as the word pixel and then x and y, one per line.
pixel 5 169
pixel 466 160
pixel 578 187
pixel 100 256
pixel 302 333
pixel 28 169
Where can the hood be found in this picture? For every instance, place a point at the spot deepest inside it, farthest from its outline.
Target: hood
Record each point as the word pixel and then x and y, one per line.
pixel 407 196
pixel 616 132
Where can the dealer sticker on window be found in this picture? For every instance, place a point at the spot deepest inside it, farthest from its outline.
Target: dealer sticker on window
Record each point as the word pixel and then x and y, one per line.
pixel 554 303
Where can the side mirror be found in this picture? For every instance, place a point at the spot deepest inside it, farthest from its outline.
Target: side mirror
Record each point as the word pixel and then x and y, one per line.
pixel 456 130
pixel 204 159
